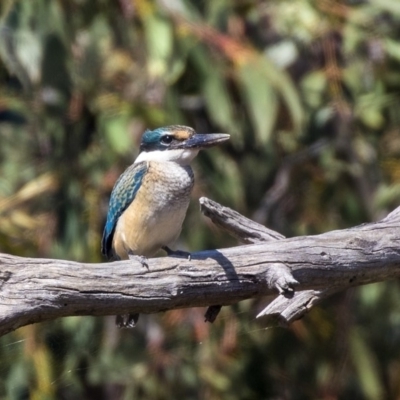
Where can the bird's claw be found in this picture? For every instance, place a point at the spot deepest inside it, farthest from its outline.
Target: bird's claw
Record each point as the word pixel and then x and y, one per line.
pixel 126 320
pixel 141 259
pixel 177 253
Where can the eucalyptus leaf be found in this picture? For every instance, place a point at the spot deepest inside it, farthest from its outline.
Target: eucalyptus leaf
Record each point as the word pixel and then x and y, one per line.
pixel 218 102
pixel 387 5
pixel 367 367
pixel 159 41
pixel 260 100
pixel 115 129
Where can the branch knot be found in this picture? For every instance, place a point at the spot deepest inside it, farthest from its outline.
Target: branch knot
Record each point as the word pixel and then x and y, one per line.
pixel 279 276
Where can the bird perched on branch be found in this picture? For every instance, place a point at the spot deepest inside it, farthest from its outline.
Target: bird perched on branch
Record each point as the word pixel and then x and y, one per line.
pixel 149 200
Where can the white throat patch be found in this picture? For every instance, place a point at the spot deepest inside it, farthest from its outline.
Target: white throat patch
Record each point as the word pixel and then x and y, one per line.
pixel 180 156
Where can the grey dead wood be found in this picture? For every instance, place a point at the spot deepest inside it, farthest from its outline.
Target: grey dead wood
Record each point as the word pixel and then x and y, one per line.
pixel 302 270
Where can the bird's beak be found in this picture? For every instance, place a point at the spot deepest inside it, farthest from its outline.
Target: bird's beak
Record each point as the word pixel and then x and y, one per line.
pixel 202 141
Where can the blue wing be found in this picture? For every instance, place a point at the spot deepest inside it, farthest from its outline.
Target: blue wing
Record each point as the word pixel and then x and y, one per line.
pixel 122 195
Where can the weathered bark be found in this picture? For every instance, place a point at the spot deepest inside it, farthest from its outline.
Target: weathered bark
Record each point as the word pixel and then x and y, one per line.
pixel 34 290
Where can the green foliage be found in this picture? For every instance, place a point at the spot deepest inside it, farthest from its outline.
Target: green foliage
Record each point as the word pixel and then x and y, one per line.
pixel 309 91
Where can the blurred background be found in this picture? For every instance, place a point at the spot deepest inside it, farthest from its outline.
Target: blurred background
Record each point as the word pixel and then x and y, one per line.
pixel 308 90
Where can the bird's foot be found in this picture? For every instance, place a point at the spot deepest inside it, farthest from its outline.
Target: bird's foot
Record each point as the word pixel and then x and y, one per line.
pixel 177 253
pixel 126 320
pixel 141 259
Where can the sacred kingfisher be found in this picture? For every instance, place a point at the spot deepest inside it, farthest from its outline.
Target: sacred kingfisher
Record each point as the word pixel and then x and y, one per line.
pixel 149 200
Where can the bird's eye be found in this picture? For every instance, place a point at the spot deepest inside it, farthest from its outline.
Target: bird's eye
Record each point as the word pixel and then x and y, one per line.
pixel 167 139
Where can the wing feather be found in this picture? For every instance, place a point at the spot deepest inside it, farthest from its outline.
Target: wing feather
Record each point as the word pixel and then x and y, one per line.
pixel 122 195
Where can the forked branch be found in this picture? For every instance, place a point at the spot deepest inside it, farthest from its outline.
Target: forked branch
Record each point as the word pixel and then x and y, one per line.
pixel 303 270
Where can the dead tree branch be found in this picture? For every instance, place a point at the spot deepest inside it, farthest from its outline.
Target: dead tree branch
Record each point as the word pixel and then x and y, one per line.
pixel 303 270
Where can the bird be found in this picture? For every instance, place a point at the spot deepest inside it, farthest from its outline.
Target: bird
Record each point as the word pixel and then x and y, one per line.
pixel 149 201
